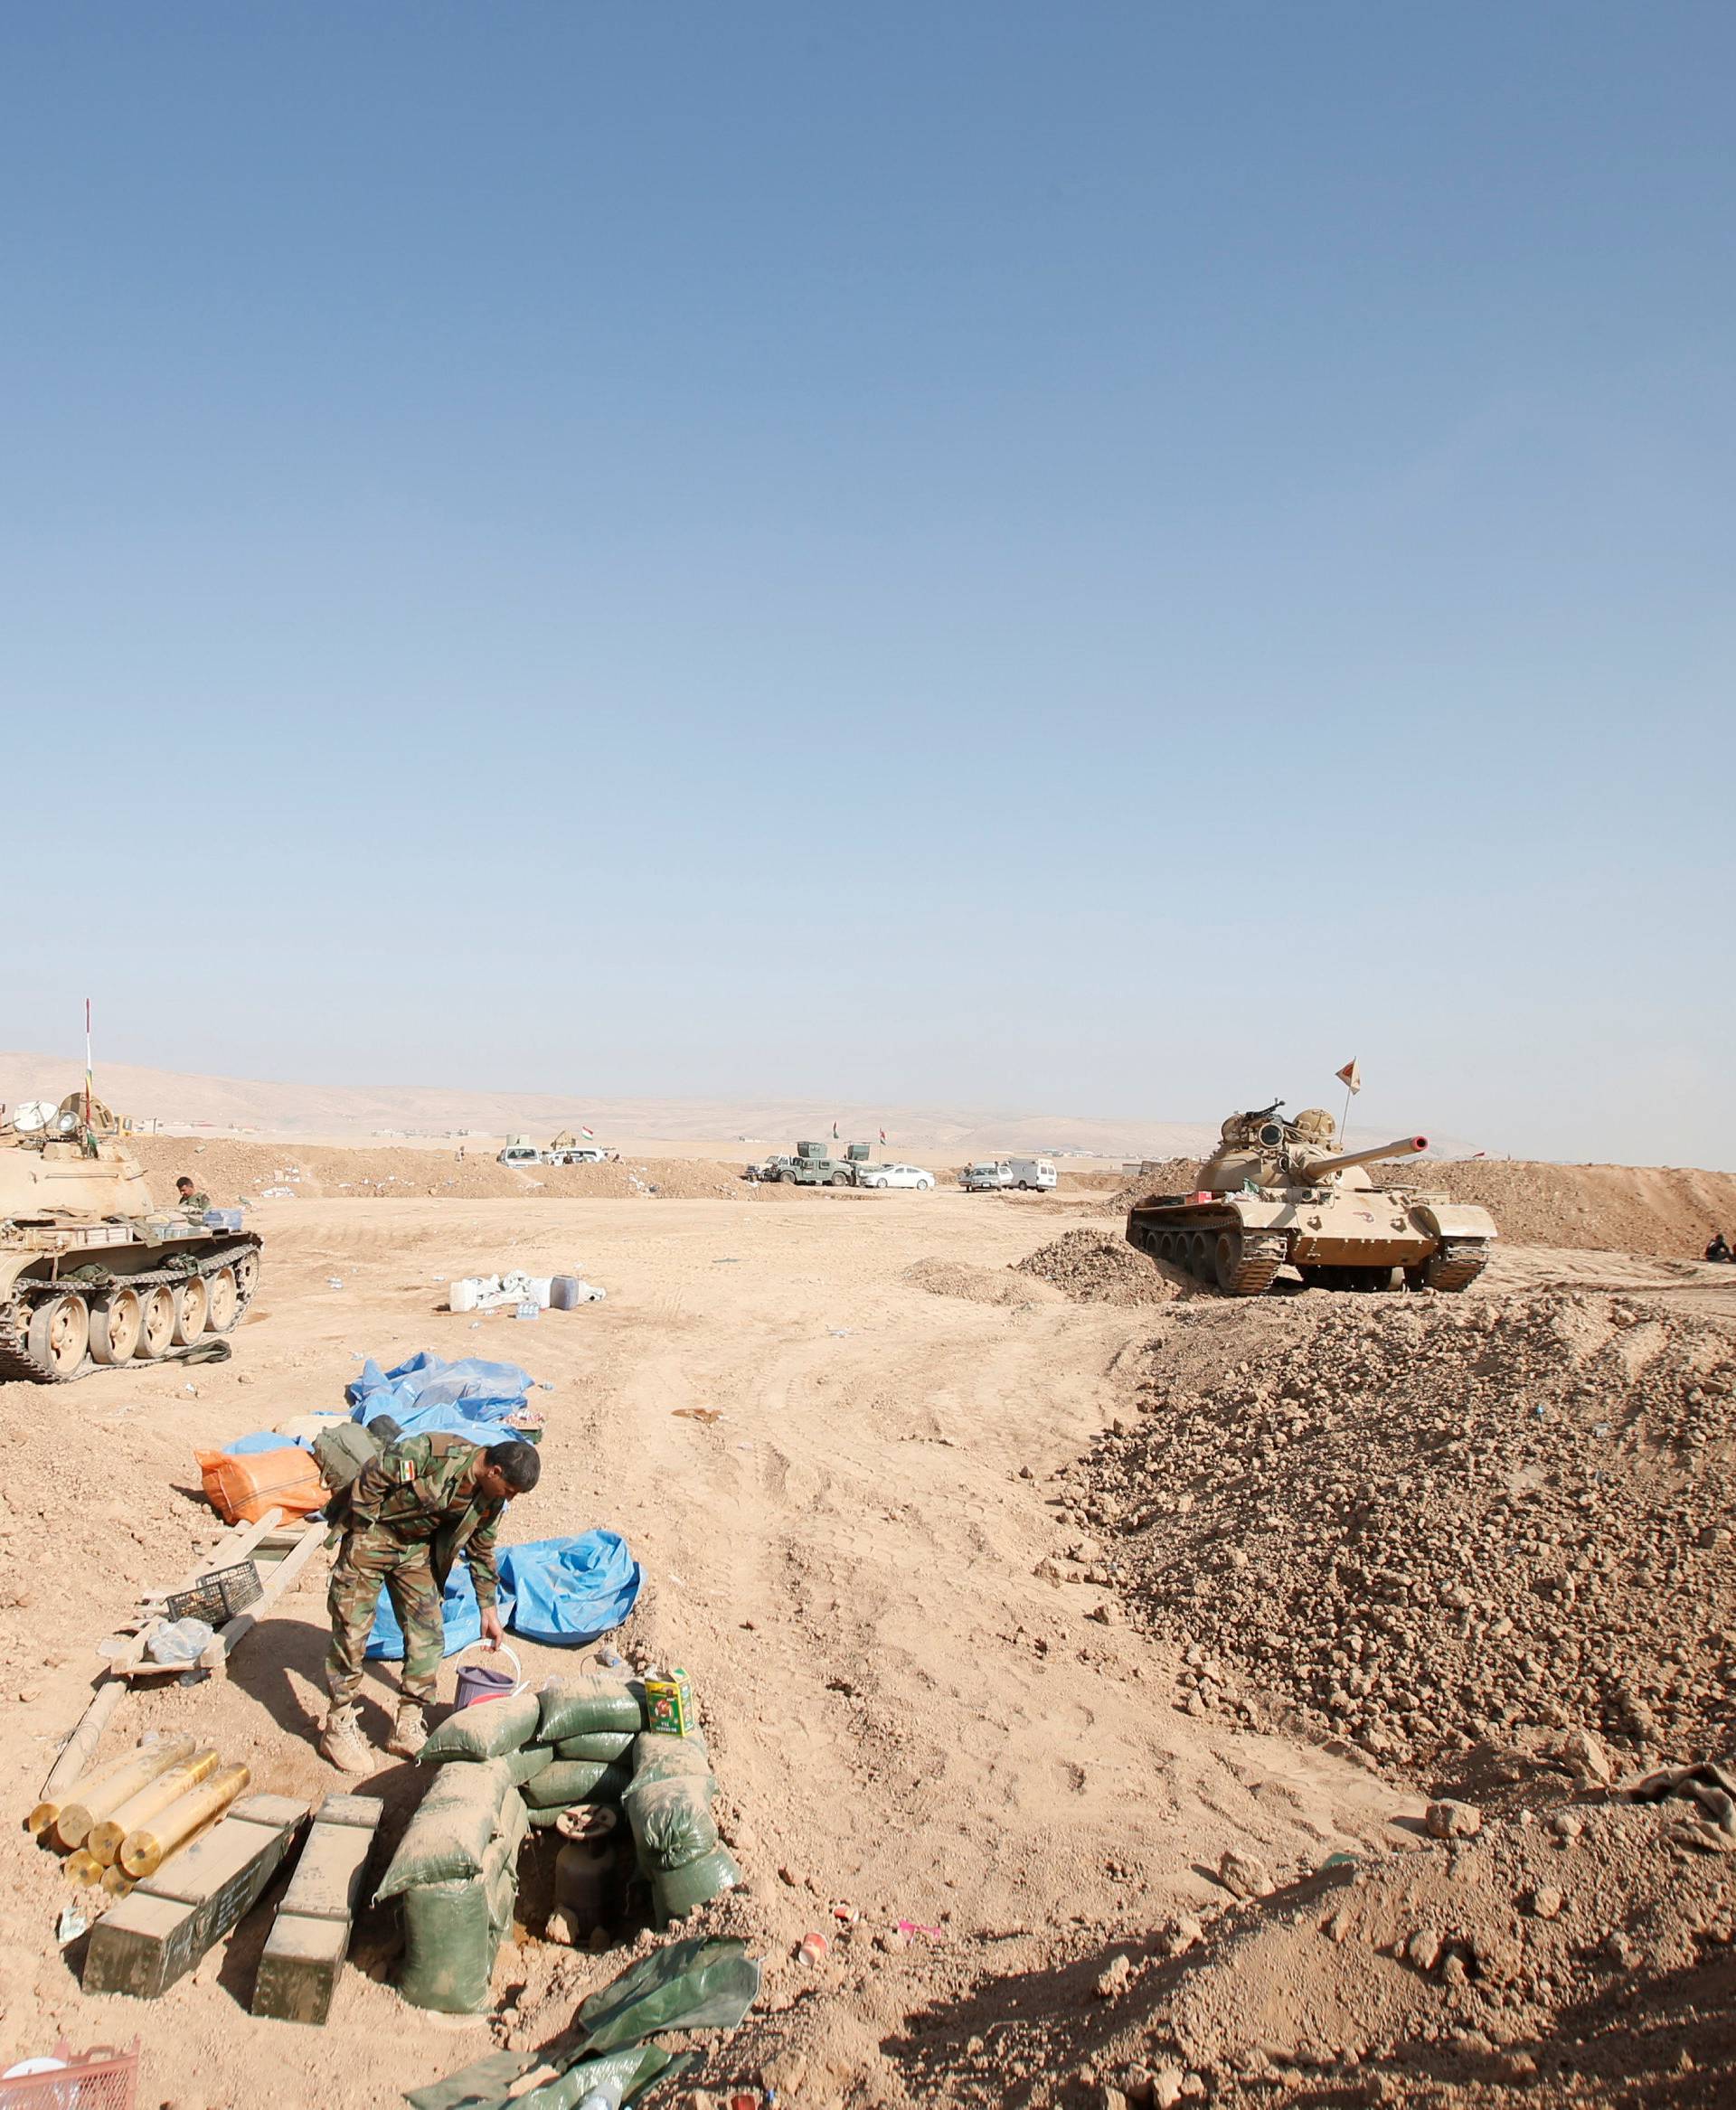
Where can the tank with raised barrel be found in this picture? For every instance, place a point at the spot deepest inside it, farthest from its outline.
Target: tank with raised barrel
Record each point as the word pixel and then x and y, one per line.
pixel 92 1272
pixel 1277 1191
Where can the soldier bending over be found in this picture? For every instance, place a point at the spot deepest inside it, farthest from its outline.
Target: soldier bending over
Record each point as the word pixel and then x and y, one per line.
pixel 421 1503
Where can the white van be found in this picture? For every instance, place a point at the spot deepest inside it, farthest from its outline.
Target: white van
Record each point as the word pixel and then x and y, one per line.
pixel 1024 1173
pixel 1027 1173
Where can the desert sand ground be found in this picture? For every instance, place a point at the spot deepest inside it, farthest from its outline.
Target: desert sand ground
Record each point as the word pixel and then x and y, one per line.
pixel 906 1715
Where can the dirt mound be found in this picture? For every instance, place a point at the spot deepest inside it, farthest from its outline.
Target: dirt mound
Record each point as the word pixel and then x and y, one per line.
pixel 1628 1209
pixel 1431 1522
pixel 1095 1267
pixel 1169 1175
pixel 230 1170
pixel 981 1286
pixel 1581 1959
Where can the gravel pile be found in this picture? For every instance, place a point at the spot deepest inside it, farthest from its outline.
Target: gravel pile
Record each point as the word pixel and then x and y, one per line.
pixel 1429 1522
pixel 1099 1267
pixel 979 1286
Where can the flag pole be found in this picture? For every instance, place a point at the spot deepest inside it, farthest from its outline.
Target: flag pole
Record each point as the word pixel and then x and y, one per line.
pixel 87 1062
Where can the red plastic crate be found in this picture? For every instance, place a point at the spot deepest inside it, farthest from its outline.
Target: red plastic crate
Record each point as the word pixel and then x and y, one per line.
pixel 105 2077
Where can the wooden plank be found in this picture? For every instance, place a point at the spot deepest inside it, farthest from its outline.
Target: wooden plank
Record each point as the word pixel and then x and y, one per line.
pixel 304 1958
pixel 277 1581
pixel 156 1935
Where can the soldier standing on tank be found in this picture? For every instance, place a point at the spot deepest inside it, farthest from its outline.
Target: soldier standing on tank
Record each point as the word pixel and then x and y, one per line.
pixel 185 1198
pixel 422 1502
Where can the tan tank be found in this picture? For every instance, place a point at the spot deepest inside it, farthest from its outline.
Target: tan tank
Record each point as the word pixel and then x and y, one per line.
pixel 92 1272
pixel 1276 1191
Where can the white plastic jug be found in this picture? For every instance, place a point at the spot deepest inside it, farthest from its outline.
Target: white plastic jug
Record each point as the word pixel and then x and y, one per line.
pixel 462 1296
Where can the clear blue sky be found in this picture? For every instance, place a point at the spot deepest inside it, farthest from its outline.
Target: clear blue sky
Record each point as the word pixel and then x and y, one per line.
pixel 1097 559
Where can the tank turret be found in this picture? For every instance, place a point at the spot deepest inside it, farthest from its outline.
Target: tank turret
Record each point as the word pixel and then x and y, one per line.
pixel 1276 1191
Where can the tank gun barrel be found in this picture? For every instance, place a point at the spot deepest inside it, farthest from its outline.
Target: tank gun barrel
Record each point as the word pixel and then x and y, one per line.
pixel 1318 1168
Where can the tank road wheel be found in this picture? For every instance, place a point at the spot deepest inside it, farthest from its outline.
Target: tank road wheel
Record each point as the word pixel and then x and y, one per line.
pixel 58 1337
pixel 1226 1257
pixel 156 1324
pixel 1199 1256
pixel 192 1303
pixel 225 1306
pixel 115 1320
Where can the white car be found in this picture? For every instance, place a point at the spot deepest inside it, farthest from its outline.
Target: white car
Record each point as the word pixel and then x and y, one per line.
pixel 895 1176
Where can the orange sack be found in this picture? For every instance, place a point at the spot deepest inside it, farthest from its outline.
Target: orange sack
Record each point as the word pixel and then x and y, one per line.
pixel 240 1490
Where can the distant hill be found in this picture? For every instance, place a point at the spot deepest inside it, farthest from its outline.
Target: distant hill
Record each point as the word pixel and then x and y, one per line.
pixel 305 1110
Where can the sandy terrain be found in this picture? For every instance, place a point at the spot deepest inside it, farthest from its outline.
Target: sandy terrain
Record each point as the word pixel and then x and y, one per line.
pixel 858 1564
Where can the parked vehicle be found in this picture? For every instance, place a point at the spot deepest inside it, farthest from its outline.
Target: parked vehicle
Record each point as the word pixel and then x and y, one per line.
pixel 771 1169
pixel 894 1176
pixel 520 1151
pixel 1026 1174
pixel 1029 1173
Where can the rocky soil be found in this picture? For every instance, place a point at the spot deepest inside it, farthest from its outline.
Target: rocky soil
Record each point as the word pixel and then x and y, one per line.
pixel 1091 1267
pixel 1434 1524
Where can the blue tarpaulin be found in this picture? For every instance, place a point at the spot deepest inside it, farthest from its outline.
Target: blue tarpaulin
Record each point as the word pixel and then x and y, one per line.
pixel 427 1395
pixel 460 1612
pixel 264 1439
pixel 567 1592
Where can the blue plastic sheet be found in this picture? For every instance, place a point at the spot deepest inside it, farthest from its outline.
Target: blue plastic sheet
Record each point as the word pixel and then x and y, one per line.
pixel 567 1592
pixel 264 1439
pixel 459 1613
pixel 428 1396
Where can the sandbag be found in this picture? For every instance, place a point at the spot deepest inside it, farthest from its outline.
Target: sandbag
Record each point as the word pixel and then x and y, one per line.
pixel 240 1490
pixel 671 1823
pixel 568 1592
pixel 446 1839
pixel 576 1780
pixel 488 1729
pixel 514 1820
pixel 597 1743
pixel 528 1762
pixel 578 1707
pixel 676 1892
pixel 453 1932
pixel 659 1758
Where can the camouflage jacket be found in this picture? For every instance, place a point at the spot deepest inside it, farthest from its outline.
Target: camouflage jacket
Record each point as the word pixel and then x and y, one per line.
pixel 422 1488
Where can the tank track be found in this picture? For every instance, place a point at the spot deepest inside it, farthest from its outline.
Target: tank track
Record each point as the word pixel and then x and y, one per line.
pixel 1457 1264
pixel 1261 1258
pixel 17 1362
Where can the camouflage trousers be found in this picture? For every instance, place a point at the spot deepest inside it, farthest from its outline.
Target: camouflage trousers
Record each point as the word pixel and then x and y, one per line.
pixel 370 1561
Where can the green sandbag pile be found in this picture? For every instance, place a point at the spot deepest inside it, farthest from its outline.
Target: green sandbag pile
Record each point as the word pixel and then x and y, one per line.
pixel 457 1870
pixel 566 1745
pixel 668 1804
pixel 578 1739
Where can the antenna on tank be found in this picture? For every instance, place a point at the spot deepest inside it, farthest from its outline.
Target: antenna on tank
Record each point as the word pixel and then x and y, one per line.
pixel 87 1062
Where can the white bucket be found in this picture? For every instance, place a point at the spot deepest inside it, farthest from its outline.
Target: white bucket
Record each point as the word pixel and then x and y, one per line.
pixel 462 1296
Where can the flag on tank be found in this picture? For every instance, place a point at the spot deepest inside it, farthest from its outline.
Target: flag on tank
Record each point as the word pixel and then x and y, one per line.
pixel 1350 1076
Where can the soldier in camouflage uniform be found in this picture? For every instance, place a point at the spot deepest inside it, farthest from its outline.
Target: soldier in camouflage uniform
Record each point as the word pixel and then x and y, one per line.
pixel 423 1501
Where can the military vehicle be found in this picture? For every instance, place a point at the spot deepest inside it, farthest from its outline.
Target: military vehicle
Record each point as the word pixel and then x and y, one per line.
pixel 92 1273
pixel 1276 1191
